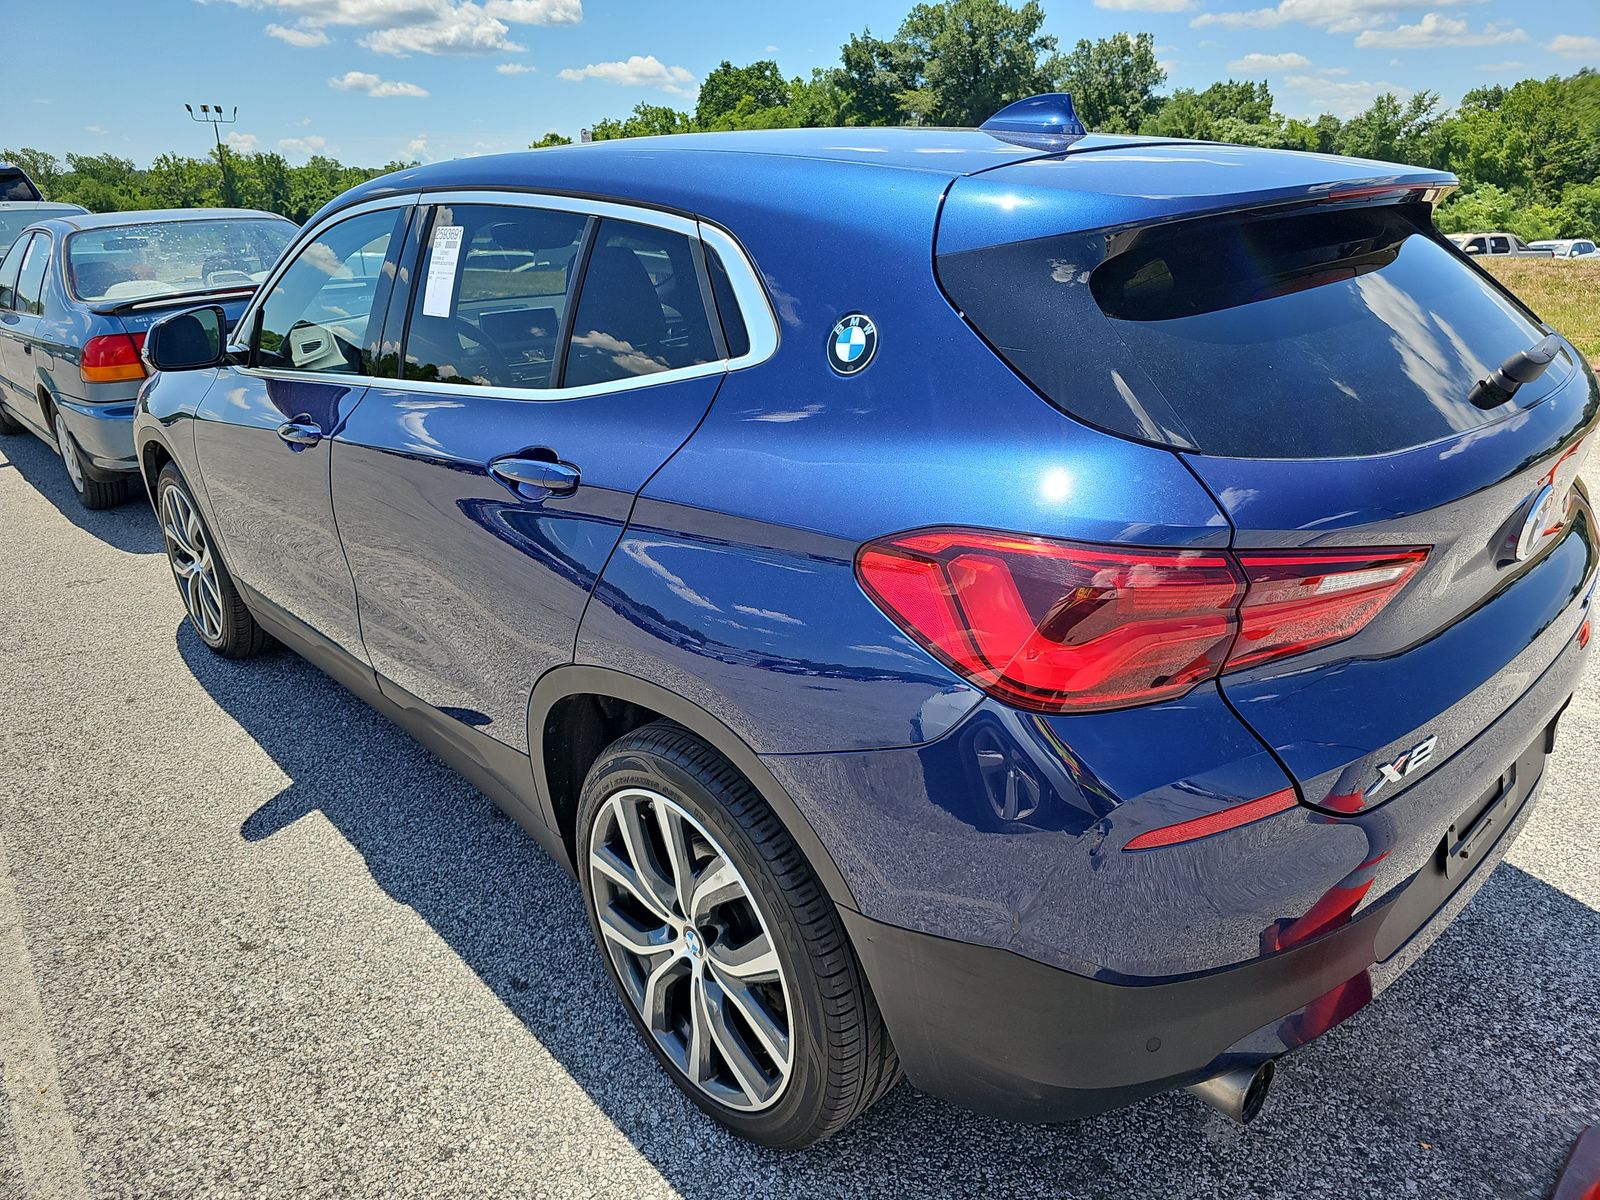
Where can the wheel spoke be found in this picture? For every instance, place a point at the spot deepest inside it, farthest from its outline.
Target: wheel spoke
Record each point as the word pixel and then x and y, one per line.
pixel 717 884
pixel 658 979
pixel 619 928
pixel 606 861
pixel 746 1072
pixel 675 837
pixel 754 962
pixel 774 1039
pixel 630 821
pixel 701 1054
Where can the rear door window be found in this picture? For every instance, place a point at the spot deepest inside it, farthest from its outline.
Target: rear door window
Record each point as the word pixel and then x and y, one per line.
pixel 1321 333
pixel 1499 245
pixel 489 303
pixel 30 282
pixel 642 310
pixel 10 267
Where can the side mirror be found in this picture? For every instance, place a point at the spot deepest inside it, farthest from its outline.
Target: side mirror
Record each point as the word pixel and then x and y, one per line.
pixel 188 341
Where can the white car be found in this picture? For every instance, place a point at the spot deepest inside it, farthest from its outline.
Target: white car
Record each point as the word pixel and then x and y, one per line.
pixel 1497 245
pixel 1569 247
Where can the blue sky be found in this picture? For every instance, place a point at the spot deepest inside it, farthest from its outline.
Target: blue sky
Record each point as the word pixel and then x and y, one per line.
pixel 373 80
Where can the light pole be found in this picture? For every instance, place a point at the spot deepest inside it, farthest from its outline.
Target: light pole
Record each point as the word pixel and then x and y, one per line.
pixel 211 114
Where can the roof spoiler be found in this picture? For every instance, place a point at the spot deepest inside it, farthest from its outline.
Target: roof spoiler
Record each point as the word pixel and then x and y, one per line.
pixel 170 300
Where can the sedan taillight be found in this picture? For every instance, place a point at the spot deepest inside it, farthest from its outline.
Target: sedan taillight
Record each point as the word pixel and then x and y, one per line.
pixel 1060 627
pixel 112 358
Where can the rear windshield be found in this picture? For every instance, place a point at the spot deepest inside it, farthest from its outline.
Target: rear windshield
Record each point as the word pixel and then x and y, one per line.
pixel 130 262
pixel 15 185
pixel 1321 333
pixel 14 220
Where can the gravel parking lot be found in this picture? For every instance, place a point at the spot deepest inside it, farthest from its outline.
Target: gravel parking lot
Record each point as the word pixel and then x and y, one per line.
pixel 255 941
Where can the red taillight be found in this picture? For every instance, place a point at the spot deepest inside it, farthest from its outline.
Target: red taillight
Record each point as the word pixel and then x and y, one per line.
pixel 112 358
pixel 1058 627
pixel 1228 818
pixel 1049 626
pixel 1297 602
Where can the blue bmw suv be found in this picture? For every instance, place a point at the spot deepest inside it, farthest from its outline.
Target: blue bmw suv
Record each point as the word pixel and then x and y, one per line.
pixel 1059 617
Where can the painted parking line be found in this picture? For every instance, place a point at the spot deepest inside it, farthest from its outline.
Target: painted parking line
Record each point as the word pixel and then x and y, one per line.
pixel 47 1149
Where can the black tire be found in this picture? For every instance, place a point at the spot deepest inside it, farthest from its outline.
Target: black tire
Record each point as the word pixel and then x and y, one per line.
pixel 9 424
pixel 227 627
pixel 842 1059
pixel 92 493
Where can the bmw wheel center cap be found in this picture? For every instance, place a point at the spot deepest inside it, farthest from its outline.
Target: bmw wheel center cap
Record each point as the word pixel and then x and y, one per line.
pixel 852 343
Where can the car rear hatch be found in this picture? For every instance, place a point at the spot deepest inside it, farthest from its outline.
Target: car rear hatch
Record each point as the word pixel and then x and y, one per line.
pixel 1309 345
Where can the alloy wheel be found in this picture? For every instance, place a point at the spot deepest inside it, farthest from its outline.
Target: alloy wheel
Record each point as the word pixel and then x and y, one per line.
pixel 69 454
pixel 193 564
pixel 694 954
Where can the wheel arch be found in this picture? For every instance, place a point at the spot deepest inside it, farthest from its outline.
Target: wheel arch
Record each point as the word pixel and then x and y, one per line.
pixel 569 727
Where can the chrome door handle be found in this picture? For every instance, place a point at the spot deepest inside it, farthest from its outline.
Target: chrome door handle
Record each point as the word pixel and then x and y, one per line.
pixel 302 431
pixel 558 478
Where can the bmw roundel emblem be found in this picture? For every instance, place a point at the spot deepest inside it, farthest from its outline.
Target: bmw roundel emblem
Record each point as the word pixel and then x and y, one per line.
pixel 852 343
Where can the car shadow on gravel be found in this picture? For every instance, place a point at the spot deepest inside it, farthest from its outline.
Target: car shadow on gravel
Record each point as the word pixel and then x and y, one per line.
pixel 1470 1077
pixel 129 527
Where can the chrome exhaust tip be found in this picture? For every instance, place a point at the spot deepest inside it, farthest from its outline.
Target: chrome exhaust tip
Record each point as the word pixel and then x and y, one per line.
pixel 1238 1093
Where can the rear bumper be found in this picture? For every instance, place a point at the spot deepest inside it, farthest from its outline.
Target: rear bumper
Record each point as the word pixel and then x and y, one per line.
pixel 104 433
pixel 1010 1036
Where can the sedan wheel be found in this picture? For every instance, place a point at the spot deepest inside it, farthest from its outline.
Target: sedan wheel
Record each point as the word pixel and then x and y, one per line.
pixel 691 948
pixel 91 493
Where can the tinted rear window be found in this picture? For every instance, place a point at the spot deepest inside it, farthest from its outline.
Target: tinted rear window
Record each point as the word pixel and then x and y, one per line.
pixel 1322 333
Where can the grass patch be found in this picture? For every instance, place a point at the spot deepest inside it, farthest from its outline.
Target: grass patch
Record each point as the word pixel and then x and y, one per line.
pixel 1566 293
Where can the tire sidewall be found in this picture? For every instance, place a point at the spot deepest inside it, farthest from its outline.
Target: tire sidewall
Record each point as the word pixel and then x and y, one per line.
pixel 801 1103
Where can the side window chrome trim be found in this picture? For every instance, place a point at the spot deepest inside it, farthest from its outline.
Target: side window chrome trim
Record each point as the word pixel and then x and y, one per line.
pixel 748 291
pixel 760 324
pixel 715 367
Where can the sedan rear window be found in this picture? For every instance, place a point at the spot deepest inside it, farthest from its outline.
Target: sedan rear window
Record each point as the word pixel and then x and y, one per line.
pixel 1321 333
pixel 162 258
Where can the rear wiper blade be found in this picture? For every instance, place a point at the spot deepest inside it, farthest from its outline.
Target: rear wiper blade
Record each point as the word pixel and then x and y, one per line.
pixel 1500 384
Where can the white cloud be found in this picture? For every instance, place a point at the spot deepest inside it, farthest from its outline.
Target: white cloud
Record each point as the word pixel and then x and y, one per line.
pixel 417 148
pixel 1312 95
pixel 418 26
pixel 1574 45
pixel 1258 64
pixel 364 81
pixel 638 71
pixel 244 143
pixel 1511 64
pixel 1153 6
pixel 1436 29
pixel 97 130
pixel 515 69
pixel 1336 16
pixel 310 144
pixel 536 12
pixel 297 36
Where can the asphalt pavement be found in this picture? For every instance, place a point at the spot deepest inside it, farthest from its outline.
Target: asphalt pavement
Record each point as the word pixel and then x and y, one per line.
pixel 255 941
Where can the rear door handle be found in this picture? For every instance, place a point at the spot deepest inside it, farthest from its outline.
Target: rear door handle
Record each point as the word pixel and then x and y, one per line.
pixel 26 348
pixel 302 431
pixel 557 478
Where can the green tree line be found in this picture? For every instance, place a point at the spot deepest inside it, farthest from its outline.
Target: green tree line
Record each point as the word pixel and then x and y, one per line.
pixel 107 183
pixel 1528 155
